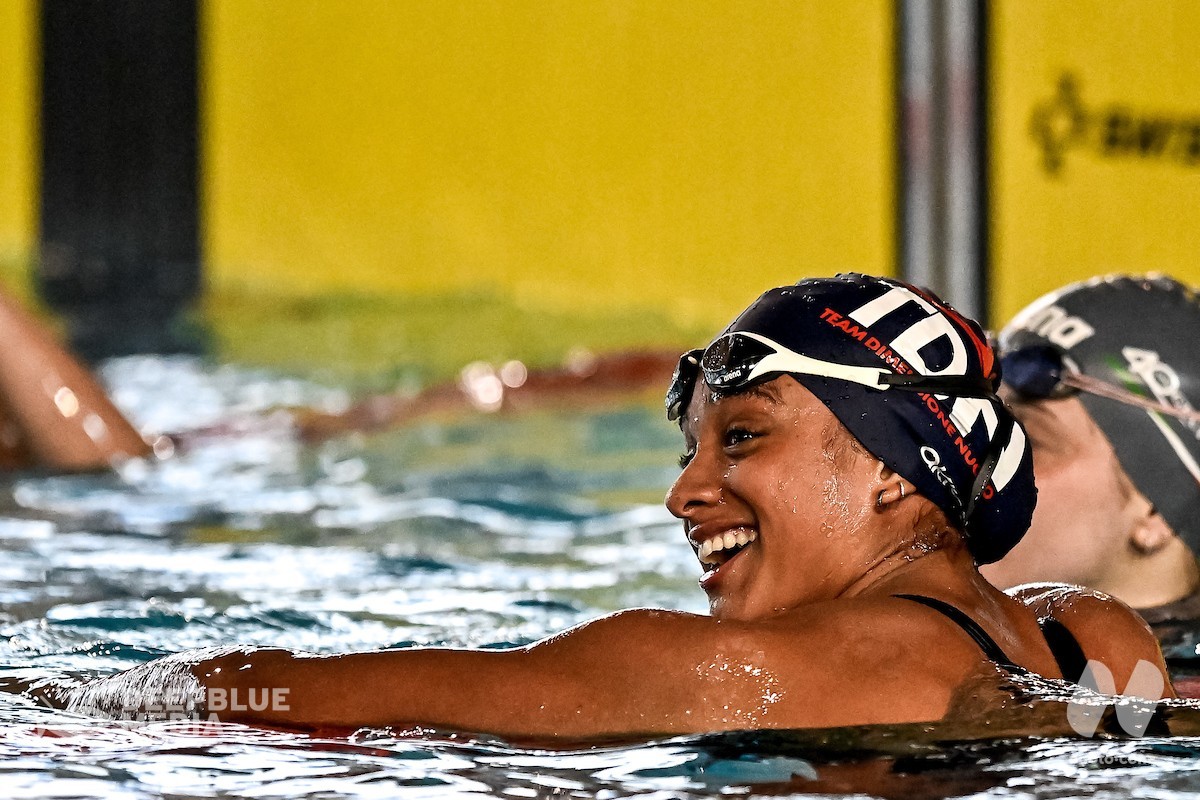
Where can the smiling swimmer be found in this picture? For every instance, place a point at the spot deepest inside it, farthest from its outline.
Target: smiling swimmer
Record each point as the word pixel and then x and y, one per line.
pixel 847 466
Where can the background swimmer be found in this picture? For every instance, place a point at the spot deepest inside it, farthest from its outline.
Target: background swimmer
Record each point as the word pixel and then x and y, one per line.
pixel 836 558
pixel 55 415
pixel 1103 375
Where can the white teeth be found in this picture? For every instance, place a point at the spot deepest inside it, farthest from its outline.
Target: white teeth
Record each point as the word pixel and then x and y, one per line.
pixel 727 541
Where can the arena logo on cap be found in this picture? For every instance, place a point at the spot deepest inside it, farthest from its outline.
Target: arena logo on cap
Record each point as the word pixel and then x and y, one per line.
pixel 1054 325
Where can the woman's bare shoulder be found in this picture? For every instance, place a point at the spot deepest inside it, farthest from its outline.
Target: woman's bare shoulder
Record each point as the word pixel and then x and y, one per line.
pixel 1107 630
pixel 851 661
pixel 1083 608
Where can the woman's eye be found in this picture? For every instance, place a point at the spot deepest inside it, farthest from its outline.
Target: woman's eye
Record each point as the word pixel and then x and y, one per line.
pixel 736 436
pixel 686 459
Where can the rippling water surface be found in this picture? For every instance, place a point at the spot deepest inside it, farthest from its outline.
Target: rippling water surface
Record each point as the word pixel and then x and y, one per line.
pixel 476 531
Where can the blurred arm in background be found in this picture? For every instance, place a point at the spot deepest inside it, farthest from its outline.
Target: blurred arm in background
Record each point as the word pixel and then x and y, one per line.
pixel 54 414
pixel 584 380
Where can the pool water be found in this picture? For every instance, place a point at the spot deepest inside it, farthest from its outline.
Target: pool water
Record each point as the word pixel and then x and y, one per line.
pixel 478 531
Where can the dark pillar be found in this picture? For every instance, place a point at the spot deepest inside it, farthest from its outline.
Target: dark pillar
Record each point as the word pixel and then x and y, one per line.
pixel 943 149
pixel 120 249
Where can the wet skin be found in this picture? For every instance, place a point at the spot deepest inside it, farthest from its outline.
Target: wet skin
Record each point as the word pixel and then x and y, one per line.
pixel 805 630
pixel 769 464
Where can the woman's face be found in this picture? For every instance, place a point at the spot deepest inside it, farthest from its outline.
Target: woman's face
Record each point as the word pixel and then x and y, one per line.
pixel 1086 505
pixel 774 494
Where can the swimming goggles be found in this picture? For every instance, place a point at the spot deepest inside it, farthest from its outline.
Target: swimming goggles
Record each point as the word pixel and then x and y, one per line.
pixel 1041 372
pixel 740 359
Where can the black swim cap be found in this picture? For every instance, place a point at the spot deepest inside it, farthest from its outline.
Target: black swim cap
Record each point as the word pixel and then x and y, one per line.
pixel 1140 333
pixel 909 377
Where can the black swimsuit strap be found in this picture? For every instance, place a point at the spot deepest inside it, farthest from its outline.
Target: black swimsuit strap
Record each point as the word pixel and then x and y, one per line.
pixel 1065 649
pixel 986 643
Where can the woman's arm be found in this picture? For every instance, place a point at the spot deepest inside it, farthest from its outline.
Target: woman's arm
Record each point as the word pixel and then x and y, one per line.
pixel 612 675
pixel 634 672
pixel 587 381
pixel 60 415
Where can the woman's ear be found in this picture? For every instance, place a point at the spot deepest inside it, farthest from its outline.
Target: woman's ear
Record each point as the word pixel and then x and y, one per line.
pixel 1151 534
pixel 891 488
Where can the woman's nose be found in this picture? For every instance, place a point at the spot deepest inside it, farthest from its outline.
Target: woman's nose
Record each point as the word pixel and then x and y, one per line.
pixel 698 485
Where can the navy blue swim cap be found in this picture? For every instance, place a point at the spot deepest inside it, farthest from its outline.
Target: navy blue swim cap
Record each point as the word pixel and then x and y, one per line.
pixel 910 378
pixel 1139 334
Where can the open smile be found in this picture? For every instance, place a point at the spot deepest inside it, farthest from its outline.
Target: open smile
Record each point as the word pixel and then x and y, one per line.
pixel 719 550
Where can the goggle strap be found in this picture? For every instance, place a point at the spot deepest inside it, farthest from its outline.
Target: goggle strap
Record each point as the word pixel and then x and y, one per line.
pixel 781 362
pixel 957 385
pixel 995 450
pixel 1086 383
pixel 1177 445
pixel 784 361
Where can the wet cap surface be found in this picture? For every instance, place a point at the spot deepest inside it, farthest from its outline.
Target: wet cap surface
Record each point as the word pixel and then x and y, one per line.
pixel 1140 333
pixel 938 442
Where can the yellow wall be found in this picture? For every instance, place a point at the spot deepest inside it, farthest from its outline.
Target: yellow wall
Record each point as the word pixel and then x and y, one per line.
pixel 595 154
pixel 17 156
pixel 1106 208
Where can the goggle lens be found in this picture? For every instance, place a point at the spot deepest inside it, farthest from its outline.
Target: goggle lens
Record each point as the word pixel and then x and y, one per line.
pixel 683 382
pixel 1036 372
pixel 728 362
